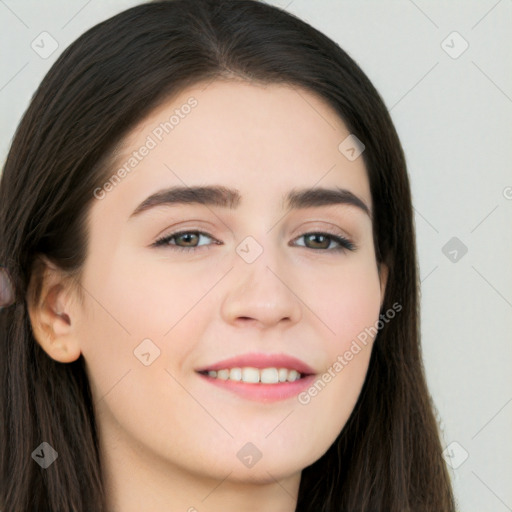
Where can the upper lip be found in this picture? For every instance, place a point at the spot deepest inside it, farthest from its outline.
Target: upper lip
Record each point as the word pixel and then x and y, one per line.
pixel 260 361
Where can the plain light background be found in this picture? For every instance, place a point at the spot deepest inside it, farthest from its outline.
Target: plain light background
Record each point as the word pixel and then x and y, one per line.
pixel 450 96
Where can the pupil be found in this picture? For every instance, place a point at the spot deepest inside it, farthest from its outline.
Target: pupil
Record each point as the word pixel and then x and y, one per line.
pixel 187 236
pixel 316 237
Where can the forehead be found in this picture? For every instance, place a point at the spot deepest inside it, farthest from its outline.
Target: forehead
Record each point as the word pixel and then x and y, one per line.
pixel 259 139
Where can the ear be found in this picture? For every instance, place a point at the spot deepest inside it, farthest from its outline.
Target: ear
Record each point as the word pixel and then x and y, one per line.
pixel 383 276
pixel 52 313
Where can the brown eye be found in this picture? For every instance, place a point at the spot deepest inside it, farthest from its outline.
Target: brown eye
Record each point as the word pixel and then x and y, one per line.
pixel 190 239
pixel 184 241
pixel 323 241
pixel 318 240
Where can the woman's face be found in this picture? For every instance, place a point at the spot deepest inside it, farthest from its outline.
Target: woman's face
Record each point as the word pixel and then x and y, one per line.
pixel 249 279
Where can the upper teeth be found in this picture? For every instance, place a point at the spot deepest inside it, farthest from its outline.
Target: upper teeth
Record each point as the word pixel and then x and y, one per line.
pixel 255 375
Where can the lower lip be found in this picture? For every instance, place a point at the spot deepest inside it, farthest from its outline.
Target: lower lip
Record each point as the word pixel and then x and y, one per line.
pixel 263 392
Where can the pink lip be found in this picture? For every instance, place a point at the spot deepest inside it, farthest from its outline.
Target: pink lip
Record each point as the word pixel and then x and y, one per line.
pixel 260 361
pixel 262 392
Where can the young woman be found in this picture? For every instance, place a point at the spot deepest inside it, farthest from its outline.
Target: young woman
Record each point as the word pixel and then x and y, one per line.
pixel 210 293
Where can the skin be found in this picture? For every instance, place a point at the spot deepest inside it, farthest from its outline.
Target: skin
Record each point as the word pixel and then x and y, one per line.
pixel 169 439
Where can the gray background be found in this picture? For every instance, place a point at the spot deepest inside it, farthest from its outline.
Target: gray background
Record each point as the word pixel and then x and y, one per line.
pixel 453 113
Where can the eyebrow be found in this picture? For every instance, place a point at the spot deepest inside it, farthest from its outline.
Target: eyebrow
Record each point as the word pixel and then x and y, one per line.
pixel 230 198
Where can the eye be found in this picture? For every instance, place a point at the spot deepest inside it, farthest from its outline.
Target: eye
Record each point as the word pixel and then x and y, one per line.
pixel 188 237
pixel 191 240
pixel 324 240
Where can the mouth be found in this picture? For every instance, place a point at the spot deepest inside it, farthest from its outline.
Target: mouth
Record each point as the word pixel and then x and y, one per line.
pixel 251 375
pixel 260 377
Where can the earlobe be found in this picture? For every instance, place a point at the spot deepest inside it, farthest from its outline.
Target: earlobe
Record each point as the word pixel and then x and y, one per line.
pixel 52 319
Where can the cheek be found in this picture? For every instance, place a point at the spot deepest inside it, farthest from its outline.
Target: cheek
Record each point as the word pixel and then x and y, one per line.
pixel 132 310
pixel 346 299
pixel 355 306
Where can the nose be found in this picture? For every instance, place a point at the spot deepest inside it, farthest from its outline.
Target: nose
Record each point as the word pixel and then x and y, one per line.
pixel 261 293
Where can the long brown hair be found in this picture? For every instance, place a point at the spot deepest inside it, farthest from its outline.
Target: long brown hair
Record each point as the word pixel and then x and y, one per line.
pixel 388 455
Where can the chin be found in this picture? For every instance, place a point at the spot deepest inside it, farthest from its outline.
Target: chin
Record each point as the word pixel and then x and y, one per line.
pixel 265 474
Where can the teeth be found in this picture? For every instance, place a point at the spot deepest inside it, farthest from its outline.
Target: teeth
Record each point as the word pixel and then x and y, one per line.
pixel 269 376
pixel 235 374
pixel 251 375
pixel 255 375
pixel 293 375
pixel 223 374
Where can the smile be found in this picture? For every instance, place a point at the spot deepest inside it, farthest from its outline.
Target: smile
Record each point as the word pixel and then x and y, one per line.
pixel 260 377
pixel 255 375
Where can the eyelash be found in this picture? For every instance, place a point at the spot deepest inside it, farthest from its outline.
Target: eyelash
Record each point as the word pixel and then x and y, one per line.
pixel 344 243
